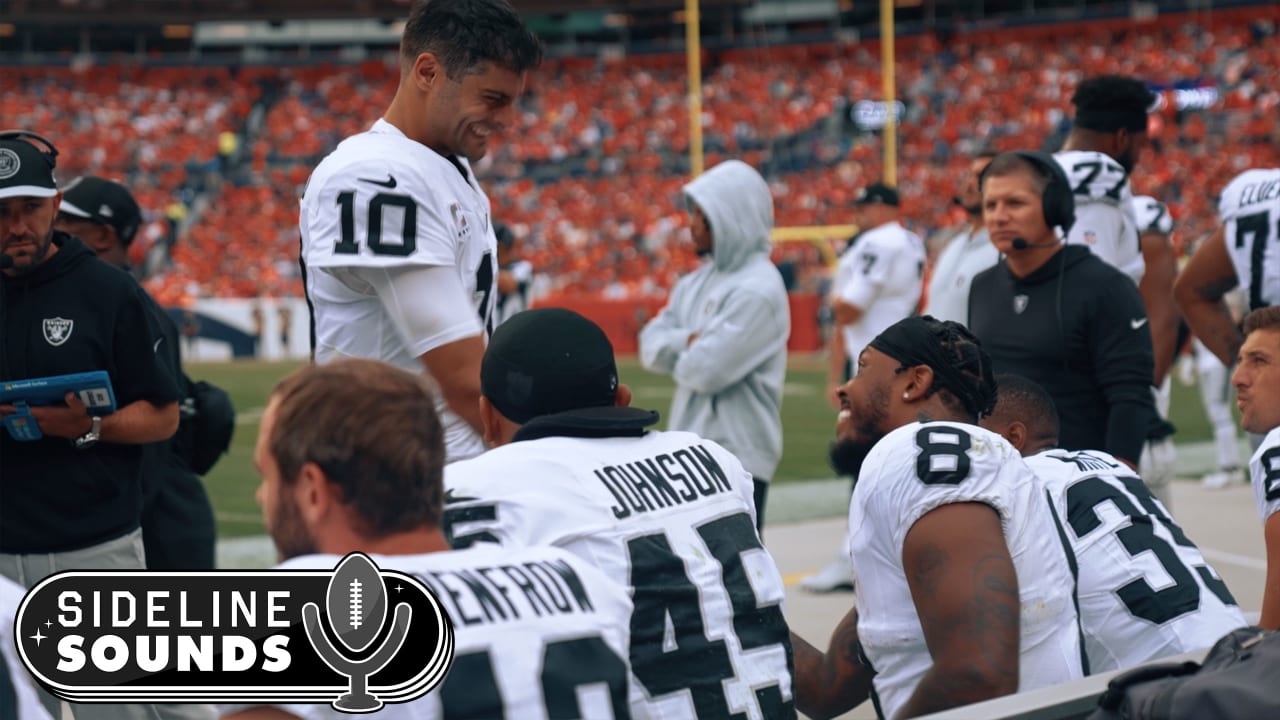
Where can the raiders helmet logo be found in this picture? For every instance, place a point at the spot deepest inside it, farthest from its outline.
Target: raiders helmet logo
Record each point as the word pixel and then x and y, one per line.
pixel 1020 303
pixel 10 164
pixel 57 330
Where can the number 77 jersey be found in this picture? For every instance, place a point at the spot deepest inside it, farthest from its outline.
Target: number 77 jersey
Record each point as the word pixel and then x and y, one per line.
pixel 1250 212
pixel 671 516
pixel 1145 590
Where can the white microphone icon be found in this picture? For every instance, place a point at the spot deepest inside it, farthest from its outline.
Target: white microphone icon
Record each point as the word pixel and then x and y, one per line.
pixel 357 605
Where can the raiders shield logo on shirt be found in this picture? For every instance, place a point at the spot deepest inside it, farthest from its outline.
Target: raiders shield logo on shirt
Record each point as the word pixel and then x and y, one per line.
pixel 57 330
pixel 1020 303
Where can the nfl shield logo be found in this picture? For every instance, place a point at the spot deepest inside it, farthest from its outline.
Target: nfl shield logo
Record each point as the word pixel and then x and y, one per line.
pixel 1020 303
pixel 57 330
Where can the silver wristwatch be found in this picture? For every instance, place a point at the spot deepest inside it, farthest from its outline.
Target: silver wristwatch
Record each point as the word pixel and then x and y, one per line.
pixel 90 438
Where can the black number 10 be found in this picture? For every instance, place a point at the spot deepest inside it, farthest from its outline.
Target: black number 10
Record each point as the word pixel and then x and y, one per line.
pixel 409 238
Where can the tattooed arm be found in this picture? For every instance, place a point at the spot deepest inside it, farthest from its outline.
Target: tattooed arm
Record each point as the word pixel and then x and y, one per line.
pixel 1199 290
pixel 966 593
pixel 831 684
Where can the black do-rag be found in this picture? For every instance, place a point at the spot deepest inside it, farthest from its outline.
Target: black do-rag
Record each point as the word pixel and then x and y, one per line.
pixel 547 361
pixel 928 341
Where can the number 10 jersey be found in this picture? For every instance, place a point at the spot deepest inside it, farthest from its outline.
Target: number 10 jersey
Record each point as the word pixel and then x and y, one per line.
pixel 382 201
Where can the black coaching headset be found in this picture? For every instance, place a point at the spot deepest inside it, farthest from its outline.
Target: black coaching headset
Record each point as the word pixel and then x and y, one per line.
pixel 1057 200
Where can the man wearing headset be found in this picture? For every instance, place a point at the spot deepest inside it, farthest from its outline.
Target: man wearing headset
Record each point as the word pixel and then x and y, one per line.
pixel 1058 314
pixel 71 499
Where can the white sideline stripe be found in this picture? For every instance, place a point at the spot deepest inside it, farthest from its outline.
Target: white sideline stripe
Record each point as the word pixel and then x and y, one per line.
pixel 1245 561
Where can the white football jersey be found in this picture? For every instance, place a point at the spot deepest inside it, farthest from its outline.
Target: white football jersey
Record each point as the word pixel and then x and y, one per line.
pixel 1145 590
pixel 1152 215
pixel 918 468
pixel 381 200
pixel 1250 212
pixel 672 516
pixel 1264 470
pixel 883 274
pixel 966 255
pixel 538 633
pixel 18 698
pixel 1105 220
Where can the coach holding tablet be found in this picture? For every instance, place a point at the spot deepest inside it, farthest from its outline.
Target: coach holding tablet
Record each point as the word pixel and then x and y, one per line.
pixel 72 499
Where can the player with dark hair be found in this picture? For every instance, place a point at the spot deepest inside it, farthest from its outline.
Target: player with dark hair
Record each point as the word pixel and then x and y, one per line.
pixel 1257 383
pixel 351 455
pixel 1059 315
pixel 398 247
pixel 1121 538
pixel 961 592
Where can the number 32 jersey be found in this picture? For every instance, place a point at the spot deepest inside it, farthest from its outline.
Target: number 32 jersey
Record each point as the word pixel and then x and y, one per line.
pixel 381 201
pixel 1145 590
pixel 670 515
pixel 918 468
pixel 1250 212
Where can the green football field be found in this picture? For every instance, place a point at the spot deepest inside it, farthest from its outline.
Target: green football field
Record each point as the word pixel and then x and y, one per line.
pixel 808 424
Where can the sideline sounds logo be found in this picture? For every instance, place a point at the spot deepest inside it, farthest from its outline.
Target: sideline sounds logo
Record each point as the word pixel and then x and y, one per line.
pixel 355 636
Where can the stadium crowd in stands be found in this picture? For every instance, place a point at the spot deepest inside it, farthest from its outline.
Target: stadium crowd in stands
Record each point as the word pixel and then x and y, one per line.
pixel 591 182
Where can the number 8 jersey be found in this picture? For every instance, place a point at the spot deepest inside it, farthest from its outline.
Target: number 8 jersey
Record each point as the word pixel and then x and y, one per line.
pixel 1145 590
pixel 379 203
pixel 1250 212
pixel 918 468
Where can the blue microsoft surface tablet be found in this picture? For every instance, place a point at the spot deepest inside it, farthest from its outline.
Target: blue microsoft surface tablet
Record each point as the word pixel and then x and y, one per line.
pixel 93 388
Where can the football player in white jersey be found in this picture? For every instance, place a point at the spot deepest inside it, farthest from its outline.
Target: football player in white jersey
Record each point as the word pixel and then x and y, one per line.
pixel 351 456
pixel 962 587
pixel 1244 251
pixel 398 249
pixel 1145 591
pixel 1257 383
pixel 878 281
pixel 18 699
pixel 1108 135
pixel 669 514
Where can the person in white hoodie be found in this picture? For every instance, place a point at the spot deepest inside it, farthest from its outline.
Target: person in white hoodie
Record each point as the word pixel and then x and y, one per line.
pixel 723 334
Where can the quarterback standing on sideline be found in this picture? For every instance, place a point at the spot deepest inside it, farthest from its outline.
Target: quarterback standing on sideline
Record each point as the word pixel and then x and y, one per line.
pixel 398 248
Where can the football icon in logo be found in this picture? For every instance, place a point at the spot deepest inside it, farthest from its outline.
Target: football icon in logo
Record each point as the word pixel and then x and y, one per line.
pixel 356 601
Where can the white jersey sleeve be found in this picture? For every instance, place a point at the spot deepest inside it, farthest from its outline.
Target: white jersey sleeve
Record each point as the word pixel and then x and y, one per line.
pixel 914 470
pixel 1152 215
pixel 1145 590
pixel 538 634
pixel 671 516
pixel 1264 471
pixel 1250 210
pixel 18 698
pixel 1105 221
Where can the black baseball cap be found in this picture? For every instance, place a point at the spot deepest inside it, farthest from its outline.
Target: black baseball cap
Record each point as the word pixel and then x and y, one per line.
pixel 104 202
pixel 547 361
pixel 25 170
pixel 877 193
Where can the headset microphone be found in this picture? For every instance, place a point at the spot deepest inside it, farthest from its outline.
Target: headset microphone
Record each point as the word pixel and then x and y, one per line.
pixel 6 261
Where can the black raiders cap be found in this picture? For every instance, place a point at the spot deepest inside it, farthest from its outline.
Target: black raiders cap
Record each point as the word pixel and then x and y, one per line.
pixel 105 202
pixel 25 170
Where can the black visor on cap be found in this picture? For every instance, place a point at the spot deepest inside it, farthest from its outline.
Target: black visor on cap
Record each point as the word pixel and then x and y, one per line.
pixel 546 361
